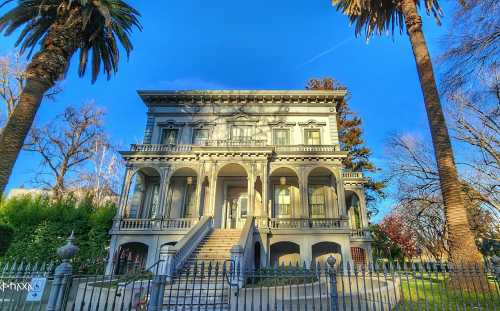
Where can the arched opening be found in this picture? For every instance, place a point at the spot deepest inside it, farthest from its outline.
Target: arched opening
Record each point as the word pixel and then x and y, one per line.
pixel 353 209
pixel 286 194
pixel 181 195
pixel 231 199
pixel 322 193
pixel 322 250
pixel 358 255
pixel 131 257
pixel 143 198
pixel 205 190
pixel 256 255
pixel 258 204
pixel 285 253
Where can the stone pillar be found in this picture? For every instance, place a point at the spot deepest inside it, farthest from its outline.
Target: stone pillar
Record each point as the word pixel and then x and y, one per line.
pixel 122 204
pixel 304 193
pixel 165 182
pixel 113 248
pixel 199 183
pixel 265 190
pixel 148 132
pixel 341 195
pixel 362 208
pixel 251 189
pixel 305 253
pixel 62 275
pixel 213 188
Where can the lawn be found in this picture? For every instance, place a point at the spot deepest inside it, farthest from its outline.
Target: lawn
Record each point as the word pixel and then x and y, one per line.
pixel 431 292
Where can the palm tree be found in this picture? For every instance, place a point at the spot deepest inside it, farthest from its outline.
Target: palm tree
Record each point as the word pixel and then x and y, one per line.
pixel 381 16
pixel 95 28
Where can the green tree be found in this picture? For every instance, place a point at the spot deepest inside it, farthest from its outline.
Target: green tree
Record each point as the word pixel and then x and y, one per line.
pixel 41 225
pixel 6 237
pixel 351 140
pixel 378 17
pixel 62 27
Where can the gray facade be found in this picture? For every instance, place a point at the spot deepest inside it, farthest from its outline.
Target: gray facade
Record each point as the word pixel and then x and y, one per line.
pixel 231 156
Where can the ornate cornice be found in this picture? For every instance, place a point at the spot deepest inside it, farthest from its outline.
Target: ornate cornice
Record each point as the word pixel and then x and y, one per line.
pixel 240 97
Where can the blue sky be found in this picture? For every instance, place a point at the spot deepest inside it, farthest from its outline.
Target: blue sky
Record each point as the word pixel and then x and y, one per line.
pixel 262 44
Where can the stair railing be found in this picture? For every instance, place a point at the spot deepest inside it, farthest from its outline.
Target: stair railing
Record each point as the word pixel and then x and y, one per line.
pixel 174 257
pixel 241 253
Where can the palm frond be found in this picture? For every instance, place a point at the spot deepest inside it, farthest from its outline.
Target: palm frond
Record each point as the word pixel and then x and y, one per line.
pixel 378 17
pixel 104 26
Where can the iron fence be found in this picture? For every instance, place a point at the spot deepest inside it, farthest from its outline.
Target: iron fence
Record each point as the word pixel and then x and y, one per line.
pixel 223 286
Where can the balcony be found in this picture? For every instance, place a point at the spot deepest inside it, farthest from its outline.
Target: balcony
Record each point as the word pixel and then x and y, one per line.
pixel 306 148
pixel 352 175
pixel 165 224
pixel 228 143
pixel 303 223
pixel 360 235
pixel 160 148
pixel 235 143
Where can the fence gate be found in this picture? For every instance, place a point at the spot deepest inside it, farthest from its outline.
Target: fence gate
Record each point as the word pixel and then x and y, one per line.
pixel 200 286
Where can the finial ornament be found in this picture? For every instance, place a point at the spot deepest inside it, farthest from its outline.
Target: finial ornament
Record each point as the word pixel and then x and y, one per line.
pixel 331 261
pixel 69 250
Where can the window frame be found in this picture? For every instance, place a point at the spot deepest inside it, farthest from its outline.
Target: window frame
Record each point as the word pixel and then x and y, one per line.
pixel 309 130
pixel 274 138
pixel 201 142
pixel 177 137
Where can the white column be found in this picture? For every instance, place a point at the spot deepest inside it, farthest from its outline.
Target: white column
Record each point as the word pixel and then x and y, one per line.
pixel 213 188
pixel 362 208
pixel 304 193
pixel 199 184
pixel 125 191
pixel 341 195
pixel 165 181
pixel 265 190
pixel 251 190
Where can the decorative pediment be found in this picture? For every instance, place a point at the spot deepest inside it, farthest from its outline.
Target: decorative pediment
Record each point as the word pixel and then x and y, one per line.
pixel 170 124
pixel 312 123
pixel 201 124
pixel 241 117
pixel 281 124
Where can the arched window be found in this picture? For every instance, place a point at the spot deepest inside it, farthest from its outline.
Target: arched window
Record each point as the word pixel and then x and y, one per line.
pixel 283 201
pixel 143 199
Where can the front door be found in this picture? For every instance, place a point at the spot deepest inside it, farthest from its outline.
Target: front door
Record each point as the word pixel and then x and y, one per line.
pixel 236 207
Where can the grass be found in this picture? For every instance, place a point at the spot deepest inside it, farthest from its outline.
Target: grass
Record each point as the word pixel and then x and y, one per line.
pixel 430 292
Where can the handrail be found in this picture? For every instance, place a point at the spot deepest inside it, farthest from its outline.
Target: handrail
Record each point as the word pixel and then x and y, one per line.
pixel 182 250
pixel 241 252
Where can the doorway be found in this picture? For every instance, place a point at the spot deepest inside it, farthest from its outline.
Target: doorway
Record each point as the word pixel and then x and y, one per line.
pixel 236 207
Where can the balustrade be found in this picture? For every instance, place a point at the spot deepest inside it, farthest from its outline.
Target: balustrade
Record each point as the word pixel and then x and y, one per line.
pixel 304 223
pixel 160 148
pixel 156 224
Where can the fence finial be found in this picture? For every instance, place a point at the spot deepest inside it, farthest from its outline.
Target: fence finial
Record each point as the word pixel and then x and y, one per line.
pixel 69 250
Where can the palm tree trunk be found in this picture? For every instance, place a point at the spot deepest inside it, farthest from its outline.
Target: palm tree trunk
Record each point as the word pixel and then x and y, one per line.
pixel 461 242
pixel 46 67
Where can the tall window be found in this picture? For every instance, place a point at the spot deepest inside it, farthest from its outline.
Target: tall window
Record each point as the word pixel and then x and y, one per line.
pixel 281 137
pixel 155 201
pixel 189 198
pixel 282 200
pixel 200 136
pixel 242 132
pixel 169 136
pixel 317 201
pixel 312 137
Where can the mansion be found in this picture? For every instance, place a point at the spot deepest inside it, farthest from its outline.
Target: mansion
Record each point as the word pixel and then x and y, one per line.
pixel 253 177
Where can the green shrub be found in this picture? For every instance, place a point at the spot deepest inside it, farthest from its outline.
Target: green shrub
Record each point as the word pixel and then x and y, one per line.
pixel 6 237
pixel 41 225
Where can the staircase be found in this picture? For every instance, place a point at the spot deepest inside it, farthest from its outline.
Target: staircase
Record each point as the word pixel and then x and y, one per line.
pixel 208 289
pixel 215 248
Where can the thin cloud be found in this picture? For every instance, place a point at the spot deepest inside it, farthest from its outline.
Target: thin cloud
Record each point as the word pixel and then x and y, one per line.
pixel 325 52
